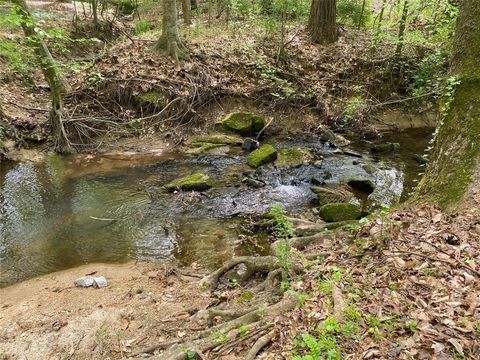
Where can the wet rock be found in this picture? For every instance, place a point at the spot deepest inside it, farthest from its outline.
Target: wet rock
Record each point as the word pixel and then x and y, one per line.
pixel 369 168
pixel 318 163
pixel 204 143
pixel 243 123
pixel 263 155
pixel 292 157
pixel 250 144
pixel 334 139
pixel 327 195
pixel 335 212
pixel 385 148
pixel 221 139
pixel 254 183
pixel 362 185
pixel 195 182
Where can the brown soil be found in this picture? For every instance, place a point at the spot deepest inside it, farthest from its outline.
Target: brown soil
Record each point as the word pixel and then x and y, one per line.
pixel 49 318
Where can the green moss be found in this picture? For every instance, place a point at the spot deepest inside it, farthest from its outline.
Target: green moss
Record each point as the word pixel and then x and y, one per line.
pixel 153 97
pixel 263 155
pixel 221 139
pixel 195 182
pixel 243 123
pixel 457 150
pixel 334 212
pixel 291 157
pixel 326 195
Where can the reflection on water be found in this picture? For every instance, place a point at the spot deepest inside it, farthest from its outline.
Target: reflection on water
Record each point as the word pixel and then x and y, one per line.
pixel 49 221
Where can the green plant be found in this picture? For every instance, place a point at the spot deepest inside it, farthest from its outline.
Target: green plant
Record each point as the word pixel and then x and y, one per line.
pixel 191 355
pixel 350 12
pixel 245 296
pixel 143 26
pixel 244 330
pixel 220 336
pixel 412 325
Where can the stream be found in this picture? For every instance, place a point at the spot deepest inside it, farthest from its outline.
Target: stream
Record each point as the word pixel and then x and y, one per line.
pixel 62 212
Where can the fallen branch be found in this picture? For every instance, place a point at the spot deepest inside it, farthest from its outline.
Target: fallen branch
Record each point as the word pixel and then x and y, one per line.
pixel 260 344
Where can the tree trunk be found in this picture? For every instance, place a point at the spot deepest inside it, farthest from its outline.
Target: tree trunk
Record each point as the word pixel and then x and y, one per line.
pixel 455 160
pixel 170 42
pixel 52 74
pixel 322 22
pixel 360 21
pixel 401 30
pixel 194 4
pixel 187 11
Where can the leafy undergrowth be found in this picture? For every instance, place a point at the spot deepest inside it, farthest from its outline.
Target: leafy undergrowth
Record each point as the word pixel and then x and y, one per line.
pixel 409 290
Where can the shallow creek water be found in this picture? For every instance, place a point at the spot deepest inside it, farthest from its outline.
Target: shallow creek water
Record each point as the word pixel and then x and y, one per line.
pixel 67 211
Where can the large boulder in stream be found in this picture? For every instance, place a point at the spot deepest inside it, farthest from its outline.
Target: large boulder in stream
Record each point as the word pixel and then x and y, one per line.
pixel 340 211
pixel 263 155
pixel 195 182
pixel 327 195
pixel 243 123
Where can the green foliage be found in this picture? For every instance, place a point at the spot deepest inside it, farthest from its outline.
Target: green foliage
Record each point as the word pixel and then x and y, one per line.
pixel 245 297
pixel 191 355
pixel 143 26
pixel 126 7
pixel 412 325
pixel 350 12
pixel 220 336
pixel 430 72
pixel 244 330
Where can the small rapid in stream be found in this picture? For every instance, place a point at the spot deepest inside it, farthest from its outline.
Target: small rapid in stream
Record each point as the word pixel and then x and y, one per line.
pixel 67 211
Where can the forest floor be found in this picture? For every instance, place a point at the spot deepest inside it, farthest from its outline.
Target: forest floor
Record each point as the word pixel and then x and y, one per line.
pixel 402 285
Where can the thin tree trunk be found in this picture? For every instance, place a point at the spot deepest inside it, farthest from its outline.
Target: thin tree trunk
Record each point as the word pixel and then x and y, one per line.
pixel 456 153
pixel 194 4
pixel 359 25
pixel 52 74
pixel 170 42
pixel 322 22
pixel 401 30
pixel 187 12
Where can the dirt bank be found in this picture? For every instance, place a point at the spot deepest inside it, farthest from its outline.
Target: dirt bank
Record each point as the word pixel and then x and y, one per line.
pixel 48 318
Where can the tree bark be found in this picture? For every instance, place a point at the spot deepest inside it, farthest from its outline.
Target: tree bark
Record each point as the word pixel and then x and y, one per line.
pixel 455 158
pixel 170 42
pixel 52 74
pixel 322 22
pixel 187 11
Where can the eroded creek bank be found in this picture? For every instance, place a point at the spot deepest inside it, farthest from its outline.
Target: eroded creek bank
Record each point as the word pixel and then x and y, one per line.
pixel 63 212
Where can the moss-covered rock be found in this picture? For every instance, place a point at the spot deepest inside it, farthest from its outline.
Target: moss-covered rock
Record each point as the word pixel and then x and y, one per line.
pixel 221 139
pixel 340 211
pixel 263 155
pixel 195 182
pixel 243 123
pixel 327 195
pixel 385 148
pixel 291 157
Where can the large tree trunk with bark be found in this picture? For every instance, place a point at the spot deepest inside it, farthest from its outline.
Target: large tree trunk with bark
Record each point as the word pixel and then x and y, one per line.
pixel 170 42
pixel 52 74
pixel 322 22
pixel 187 11
pixel 456 154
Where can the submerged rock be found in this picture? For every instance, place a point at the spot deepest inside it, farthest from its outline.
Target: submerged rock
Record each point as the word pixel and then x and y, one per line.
pixel 334 139
pixel 334 212
pixel 385 148
pixel 250 144
pixel 195 182
pixel 328 195
pixel 291 157
pixel 263 155
pixel 243 123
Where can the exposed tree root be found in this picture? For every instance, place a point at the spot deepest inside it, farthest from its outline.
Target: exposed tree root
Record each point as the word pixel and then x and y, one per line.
pixel 259 345
pixel 261 264
pixel 301 243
